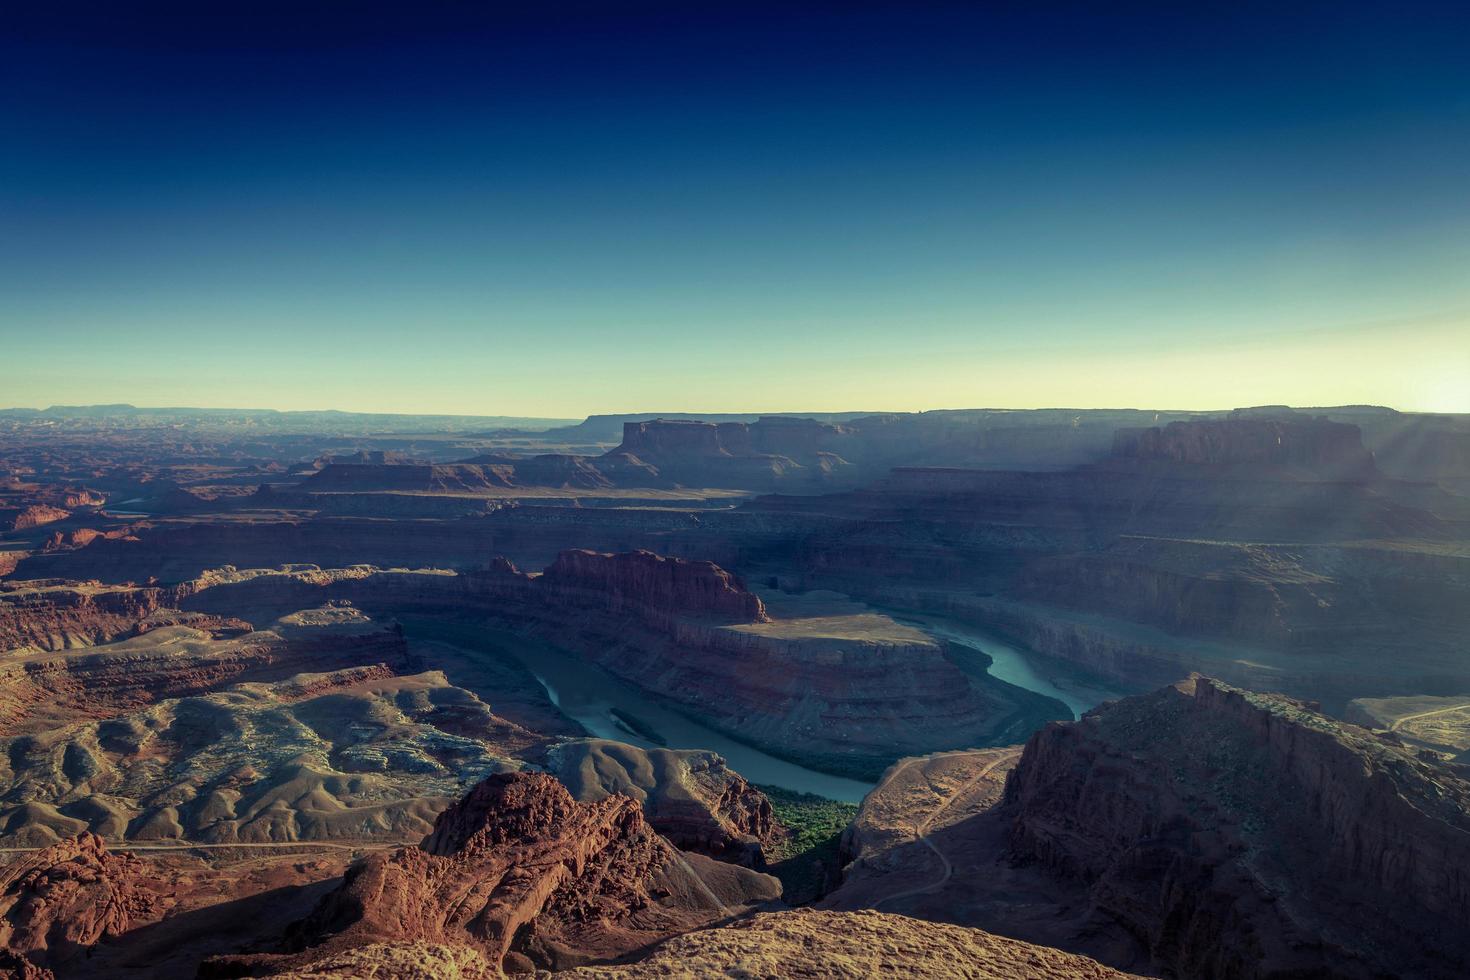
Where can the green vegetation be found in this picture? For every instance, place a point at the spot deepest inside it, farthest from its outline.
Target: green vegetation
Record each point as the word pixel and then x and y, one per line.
pixel 809 858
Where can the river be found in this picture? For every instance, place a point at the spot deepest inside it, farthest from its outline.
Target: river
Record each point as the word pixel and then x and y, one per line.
pixel 613 709
pixel 1012 665
pixel 594 698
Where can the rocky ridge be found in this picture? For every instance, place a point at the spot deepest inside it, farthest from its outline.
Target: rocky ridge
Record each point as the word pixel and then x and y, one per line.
pixel 523 874
pixel 1246 835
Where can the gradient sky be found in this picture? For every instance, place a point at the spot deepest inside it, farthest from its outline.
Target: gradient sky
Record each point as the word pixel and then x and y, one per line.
pixel 556 209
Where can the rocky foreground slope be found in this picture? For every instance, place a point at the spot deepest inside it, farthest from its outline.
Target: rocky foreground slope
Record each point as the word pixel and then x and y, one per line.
pixel 1246 835
pixel 522 874
pixel 1200 831
pixel 802 945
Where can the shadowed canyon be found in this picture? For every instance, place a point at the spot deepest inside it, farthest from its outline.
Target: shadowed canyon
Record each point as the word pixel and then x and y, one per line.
pixel 1014 694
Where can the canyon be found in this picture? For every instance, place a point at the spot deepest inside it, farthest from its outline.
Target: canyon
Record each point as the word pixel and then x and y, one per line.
pixel 1118 692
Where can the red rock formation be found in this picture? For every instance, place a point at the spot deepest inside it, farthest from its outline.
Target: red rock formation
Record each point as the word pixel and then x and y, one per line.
pixel 519 869
pixel 59 901
pixel 34 515
pixel 650 586
pixel 1245 835
pixel 55 615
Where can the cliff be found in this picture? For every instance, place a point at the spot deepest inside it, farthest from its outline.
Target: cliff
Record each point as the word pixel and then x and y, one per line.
pixel 1245 835
pixel 57 615
pixel 1317 445
pixel 649 586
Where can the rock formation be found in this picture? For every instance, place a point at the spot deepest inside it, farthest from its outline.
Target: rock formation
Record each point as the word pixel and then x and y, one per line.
pixel 650 586
pixel 59 901
pixel 165 661
pixel 814 945
pixel 1245 835
pixel 522 873
pixel 1318 445
pixel 690 797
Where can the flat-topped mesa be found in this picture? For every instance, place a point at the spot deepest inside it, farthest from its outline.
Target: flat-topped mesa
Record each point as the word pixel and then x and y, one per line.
pixel 31 516
pixel 653 587
pixel 521 872
pixel 772 435
pixel 1330 449
pixel 678 437
pixel 1246 835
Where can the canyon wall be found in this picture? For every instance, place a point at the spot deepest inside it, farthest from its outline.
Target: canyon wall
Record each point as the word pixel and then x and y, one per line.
pixel 1246 835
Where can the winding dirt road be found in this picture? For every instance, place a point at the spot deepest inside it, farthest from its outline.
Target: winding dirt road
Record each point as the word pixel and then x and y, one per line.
pixel 921 830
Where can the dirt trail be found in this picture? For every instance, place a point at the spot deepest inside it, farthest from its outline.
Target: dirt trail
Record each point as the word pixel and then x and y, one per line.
pixel 921 830
pixel 1426 714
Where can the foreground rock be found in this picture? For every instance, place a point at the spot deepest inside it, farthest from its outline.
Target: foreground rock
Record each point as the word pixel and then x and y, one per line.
pixel 60 901
pixel 523 874
pixel 803 945
pixel 812 944
pixel 1246 835
pixel 1198 831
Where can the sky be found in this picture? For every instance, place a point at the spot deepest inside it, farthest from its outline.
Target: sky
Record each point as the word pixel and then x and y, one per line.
pixel 557 209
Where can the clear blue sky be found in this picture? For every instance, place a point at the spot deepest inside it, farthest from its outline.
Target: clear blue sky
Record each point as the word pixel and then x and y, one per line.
pixel 558 209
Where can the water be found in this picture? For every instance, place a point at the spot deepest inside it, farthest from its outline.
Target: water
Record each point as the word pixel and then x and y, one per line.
pixel 1012 665
pixel 589 695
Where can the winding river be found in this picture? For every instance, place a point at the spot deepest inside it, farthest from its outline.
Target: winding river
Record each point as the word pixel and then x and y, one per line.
pixel 613 709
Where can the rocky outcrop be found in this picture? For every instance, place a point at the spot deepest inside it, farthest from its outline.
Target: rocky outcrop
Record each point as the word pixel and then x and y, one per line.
pixel 652 587
pixel 817 945
pixel 58 615
pixel 522 873
pixel 31 516
pixel 1246 835
pixel 689 796
pixel 58 902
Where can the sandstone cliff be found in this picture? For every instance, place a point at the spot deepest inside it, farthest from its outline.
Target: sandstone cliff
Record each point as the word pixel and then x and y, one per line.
pixel 1245 835
pixel 649 586
pixel 1316 445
